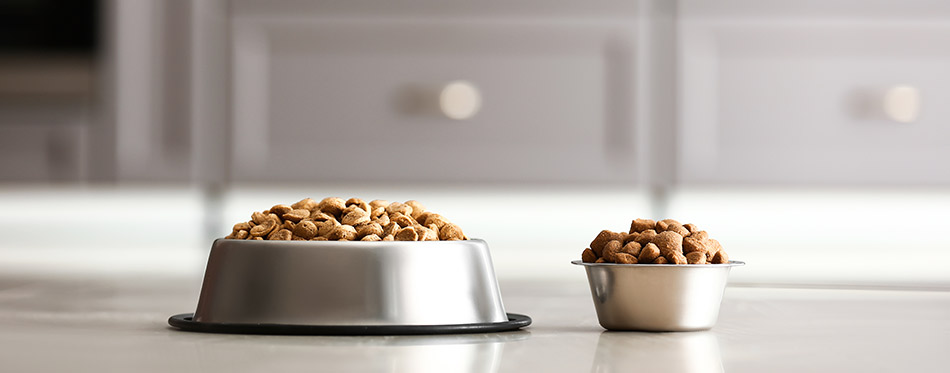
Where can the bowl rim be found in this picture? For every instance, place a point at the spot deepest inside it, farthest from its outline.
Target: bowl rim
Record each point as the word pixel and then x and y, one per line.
pixel 336 242
pixel 732 263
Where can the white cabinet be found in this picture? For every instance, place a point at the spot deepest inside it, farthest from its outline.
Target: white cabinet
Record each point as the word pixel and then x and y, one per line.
pixel 351 93
pixel 795 92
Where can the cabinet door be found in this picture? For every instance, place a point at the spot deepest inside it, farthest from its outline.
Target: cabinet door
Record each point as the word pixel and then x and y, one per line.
pixel 807 92
pixel 319 98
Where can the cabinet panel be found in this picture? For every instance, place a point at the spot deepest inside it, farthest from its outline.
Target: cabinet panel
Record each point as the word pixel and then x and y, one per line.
pixel 802 100
pixel 352 100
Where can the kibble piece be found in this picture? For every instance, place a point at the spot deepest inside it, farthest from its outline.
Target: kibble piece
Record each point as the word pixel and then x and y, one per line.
pixel 663 225
pixel 389 238
pixel 436 219
pixel 401 208
pixel 256 238
pixel 600 241
pixel 242 226
pixel 640 225
pixel 263 229
pixel 649 253
pixel 669 242
pixel 713 247
pixel 241 234
pixel 371 237
pixel 306 204
pixel 324 228
pixel 369 229
pixel 451 232
pixel 297 215
pixel 600 260
pixel 696 257
pixel 288 225
pixel 306 229
pixel 693 244
pixel 358 203
pixel 332 205
pixel 319 238
pixel 645 237
pixel 660 260
pixel 407 234
pixel 281 209
pixel 342 233
pixel 610 250
pixel 588 256
pixel 402 219
pixel 377 203
pixel 630 237
pixel 691 227
pixel 720 258
pixel 391 229
pixel 678 229
pixel 417 208
pixel 624 258
pixel 258 217
pixel 355 216
pixel 632 248
pixel 676 258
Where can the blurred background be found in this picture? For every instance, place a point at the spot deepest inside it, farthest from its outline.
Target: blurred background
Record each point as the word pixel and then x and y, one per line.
pixel 811 138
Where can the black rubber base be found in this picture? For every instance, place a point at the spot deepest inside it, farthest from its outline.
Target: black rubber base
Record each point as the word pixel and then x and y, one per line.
pixel 184 322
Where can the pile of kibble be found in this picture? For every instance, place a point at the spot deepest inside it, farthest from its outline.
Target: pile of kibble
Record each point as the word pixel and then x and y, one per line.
pixel 655 242
pixel 336 219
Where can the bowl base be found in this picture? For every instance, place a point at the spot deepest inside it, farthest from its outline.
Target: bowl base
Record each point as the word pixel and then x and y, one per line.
pixel 186 322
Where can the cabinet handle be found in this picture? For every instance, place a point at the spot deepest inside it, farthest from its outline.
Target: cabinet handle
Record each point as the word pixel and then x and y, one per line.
pixel 902 103
pixel 460 100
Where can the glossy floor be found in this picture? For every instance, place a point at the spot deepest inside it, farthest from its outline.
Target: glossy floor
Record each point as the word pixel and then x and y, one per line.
pixel 118 324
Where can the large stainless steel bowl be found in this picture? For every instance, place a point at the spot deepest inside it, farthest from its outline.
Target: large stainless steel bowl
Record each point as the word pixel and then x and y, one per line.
pixel 657 297
pixel 329 283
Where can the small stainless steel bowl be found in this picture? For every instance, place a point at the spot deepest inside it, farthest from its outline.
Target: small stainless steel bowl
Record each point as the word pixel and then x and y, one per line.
pixel 329 283
pixel 657 297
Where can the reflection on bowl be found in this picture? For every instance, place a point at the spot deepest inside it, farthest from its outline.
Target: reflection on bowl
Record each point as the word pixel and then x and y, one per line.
pixel 657 297
pixel 657 352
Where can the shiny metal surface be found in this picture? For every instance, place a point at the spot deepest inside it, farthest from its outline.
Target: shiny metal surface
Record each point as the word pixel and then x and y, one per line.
pixel 350 283
pixel 657 297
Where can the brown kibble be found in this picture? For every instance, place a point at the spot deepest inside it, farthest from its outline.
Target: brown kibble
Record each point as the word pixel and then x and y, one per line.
pixel 677 258
pixel 600 241
pixel 320 216
pixel 389 238
pixel 288 225
pixel 660 260
pixel 377 203
pixel 280 235
pixel 600 260
pixel 696 257
pixel 371 237
pixel 306 204
pixel 632 248
pixel 669 242
pixel 324 228
pixel 297 215
pixel 318 238
pixel 342 233
pixel 263 229
pixel 588 256
pixel 242 226
pixel 451 232
pixel 358 203
pixel 332 205
pixel 624 258
pixel 391 229
pixel 663 225
pixel 417 208
pixel 720 258
pixel 610 250
pixel 305 229
pixel 256 238
pixel 691 227
pixel 241 234
pixel 355 216
pixel 297 238
pixel 407 234
pixel 649 253
pixel 693 244
pixel 369 229
pixel 258 217
pixel 713 247
pixel 681 230
pixel 700 235
pixel 280 210
pixel 645 237
pixel 640 225
pixel 402 219
pixel 400 208
pixel 630 237
pixel 436 219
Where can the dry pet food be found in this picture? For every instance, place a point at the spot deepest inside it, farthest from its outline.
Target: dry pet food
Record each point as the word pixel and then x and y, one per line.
pixel 336 219
pixel 654 242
